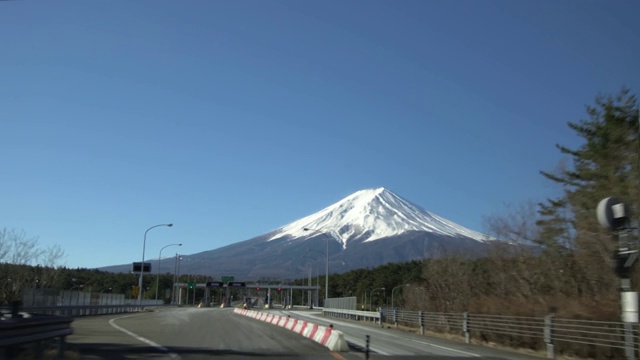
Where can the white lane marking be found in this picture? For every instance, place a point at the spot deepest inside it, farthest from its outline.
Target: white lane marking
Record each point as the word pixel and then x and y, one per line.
pixel 446 348
pixel 387 334
pixel 140 338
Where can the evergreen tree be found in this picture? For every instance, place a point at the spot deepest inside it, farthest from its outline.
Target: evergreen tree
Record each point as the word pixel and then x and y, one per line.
pixel 606 164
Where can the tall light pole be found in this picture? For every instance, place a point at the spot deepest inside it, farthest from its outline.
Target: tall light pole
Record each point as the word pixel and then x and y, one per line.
pixel 176 270
pixel 326 276
pixel 158 272
pixel 371 296
pixel 144 244
pixel 317 268
pixel 394 289
pixel 309 292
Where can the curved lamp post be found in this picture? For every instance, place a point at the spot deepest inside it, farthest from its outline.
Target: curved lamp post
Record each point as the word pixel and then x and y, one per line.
pixel 309 301
pixel 326 279
pixel 394 289
pixel 371 296
pixel 176 271
pixel 144 244
pixel 158 272
pixel 315 260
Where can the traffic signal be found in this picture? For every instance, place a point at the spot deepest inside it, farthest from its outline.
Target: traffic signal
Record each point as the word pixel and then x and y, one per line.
pixel 279 289
pixel 258 288
pixel 191 285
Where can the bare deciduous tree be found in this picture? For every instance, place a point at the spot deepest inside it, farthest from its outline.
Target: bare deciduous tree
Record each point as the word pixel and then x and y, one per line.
pixel 18 256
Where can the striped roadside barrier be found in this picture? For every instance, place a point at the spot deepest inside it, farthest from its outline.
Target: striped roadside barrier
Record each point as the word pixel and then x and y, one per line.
pixel 324 335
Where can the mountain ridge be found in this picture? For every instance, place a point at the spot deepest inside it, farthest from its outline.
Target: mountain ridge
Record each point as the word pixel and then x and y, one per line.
pixel 366 229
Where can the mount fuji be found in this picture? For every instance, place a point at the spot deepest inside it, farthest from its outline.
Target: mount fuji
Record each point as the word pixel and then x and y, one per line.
pixel 366 229
pixel 370 215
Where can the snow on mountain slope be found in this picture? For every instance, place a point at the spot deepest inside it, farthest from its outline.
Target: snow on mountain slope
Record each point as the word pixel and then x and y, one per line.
pixel 377 211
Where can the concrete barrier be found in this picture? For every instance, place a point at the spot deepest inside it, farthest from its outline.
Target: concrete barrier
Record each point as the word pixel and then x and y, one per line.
pixel 324 335
pixel 292 324
pixel 302 326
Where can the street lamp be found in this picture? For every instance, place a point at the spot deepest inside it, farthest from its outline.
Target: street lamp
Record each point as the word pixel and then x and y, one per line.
pixel 144 244
pixel 158 272
pixel 371 296
pixel 317 269
pixel 176 271
pixel 309 301
pixel 326 279
pixel 394 289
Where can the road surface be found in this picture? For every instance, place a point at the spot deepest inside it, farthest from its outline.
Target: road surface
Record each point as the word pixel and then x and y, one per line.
pixel 192 333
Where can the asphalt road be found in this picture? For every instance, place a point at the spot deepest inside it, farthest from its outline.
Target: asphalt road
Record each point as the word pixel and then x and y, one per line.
pixel 191 333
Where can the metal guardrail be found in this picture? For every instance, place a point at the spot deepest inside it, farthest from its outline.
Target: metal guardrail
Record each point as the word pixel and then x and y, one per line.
pixel 593 338
pixel 34 324
pixel 353 314
pixel 86 310
pixel 18 329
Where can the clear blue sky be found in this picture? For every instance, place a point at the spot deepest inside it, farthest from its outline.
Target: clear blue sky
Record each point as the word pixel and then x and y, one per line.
pixel 233 118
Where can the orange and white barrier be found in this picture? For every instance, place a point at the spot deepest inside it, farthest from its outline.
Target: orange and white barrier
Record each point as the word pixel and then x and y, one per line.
pixel 324 335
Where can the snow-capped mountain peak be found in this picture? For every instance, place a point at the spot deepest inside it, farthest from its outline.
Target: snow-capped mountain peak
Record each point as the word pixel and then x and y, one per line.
pixel 379 213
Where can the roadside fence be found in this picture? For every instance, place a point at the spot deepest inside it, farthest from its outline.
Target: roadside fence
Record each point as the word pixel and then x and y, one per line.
pixel 583 338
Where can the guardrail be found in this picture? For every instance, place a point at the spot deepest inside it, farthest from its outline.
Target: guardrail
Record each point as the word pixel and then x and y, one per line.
pixel 86 310
pixel 18 329
pixel 354 314
pixel 592 339
pixel 34 324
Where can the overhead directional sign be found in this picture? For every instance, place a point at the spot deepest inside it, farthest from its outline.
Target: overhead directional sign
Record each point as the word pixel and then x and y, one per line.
pixel 236 284
pixel 136 267
pixel 215 284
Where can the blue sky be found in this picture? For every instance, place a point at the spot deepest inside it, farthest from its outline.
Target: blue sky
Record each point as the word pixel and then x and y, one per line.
pixel 233 118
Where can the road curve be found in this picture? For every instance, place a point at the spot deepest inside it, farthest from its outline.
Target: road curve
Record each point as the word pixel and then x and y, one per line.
pixel 192 333
pixel 189 333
